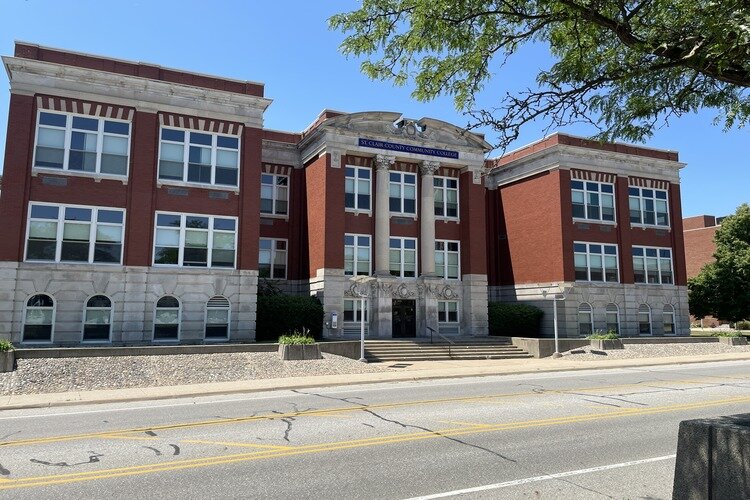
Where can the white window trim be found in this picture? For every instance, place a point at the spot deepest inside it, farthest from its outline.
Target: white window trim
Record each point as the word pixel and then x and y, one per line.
pixel 674 320
pixel 181 248
pixel 640 197
pixel 445 190
pixel 52 326
pixel 99 145
pixel 356 247
pixel 443 303
pixel 61 226
pixel 445 253
pixel 179 321
pixel 617 312
pixel 650 321
pixel 275 195
pixel 585 191
pixel 401 184
pixel 358 210
pixel 186 160
pixel 228 309
pixel 603 255
pixel 401 257
pixel 111 317
pixel 591 317
pixel 273 258
pixel 357 302
pixel 658 265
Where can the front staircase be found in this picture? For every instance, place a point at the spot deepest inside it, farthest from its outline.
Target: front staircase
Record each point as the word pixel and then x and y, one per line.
pixel 461 348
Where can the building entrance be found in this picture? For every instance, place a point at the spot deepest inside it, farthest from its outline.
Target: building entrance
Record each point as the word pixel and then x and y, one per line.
pixel 404 319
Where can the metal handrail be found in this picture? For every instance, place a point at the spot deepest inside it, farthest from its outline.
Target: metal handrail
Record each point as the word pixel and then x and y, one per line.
pixel 450 342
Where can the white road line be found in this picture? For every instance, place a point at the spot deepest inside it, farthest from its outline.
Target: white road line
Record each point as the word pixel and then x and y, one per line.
pixel 545 477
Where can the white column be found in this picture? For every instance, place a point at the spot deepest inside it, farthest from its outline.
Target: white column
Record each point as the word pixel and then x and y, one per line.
pixel 427 217
pixel 382 214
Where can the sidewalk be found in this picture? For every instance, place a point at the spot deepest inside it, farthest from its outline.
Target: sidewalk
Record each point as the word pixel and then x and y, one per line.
pixel 417 370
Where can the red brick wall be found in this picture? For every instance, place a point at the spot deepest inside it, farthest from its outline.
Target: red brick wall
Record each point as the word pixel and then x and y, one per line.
pixel 472 229
pixel 699 249
pixel 250 169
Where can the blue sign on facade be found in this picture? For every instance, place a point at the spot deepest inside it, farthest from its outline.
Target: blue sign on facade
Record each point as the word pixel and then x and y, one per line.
pixel 406 148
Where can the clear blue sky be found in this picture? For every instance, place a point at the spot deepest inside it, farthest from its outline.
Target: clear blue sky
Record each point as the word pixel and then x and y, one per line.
pixel 287 45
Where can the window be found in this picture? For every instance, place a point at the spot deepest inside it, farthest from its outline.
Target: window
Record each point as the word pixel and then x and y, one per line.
pixel 403 257
pixel 167 319
pixel 356 254
pixel 648 206
pixel 447 259
pixel 194 240
pixel 668 320
pixel 199 157
pixel 357 188
pixel 652 265
pixel 274 194
pixel 272 259
pixel 97 319
pixel 217 318
pixel 612 313
pixel 585 319
pixel 39 318
pixel 446 197
pixel 447 311
pixel 62 233
pixel 82 143
pixel 353 311
pixel 403 193
pixel 644 320
pixel 593 200
pixel 595 262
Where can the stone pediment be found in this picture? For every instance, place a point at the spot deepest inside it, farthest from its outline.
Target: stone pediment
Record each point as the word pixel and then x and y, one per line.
pixel 389 126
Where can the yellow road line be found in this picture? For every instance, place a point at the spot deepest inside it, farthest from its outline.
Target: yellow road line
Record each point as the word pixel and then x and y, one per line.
pixel 468 424
pixel 325 412
pixel 133 438
pixel 234 443
pixel 342 445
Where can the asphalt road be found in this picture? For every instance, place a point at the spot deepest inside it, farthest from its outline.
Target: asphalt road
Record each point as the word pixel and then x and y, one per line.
pixel 592 434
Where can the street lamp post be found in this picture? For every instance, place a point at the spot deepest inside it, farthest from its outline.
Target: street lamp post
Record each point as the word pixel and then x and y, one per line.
pixel 362 280
pixel 555 298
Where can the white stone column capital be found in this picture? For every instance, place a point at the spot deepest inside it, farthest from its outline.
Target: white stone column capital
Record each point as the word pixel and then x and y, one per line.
pixel 429 167
pixel 384 162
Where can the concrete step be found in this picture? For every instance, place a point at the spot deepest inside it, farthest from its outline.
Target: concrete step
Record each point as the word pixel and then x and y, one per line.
pixel 411 350
pixel 445 357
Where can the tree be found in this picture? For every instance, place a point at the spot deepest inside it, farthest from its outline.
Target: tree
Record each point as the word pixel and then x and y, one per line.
pixel 722 289
pixel 625 66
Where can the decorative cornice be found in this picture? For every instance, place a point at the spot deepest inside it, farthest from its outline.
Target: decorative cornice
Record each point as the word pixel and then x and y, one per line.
pixel 384 162
pixel 429 167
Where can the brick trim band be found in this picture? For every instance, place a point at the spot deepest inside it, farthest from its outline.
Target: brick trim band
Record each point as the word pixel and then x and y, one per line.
pixel 66 105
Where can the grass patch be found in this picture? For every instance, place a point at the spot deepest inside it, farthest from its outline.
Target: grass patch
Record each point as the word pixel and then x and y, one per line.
pixel 296 339
pixel 5 346
pixel 610 335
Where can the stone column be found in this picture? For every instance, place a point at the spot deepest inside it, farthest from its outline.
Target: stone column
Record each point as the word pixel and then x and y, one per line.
pixel 427 218
pixel 382 214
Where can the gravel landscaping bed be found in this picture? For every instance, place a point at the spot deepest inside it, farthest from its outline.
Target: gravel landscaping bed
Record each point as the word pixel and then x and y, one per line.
pixel 633 351
pixel 43 375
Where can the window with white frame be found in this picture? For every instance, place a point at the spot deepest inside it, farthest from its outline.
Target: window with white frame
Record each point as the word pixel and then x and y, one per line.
pixel 80 143
pixel 652 265
pixel 448 311
pixel 595 262
pixel 356 254
pixel 648 207
pixel 167 319
pixel 74 233
pixel 644 319
pixel 612 313
pixel 217 318
pixel 354 312
pixel 357 188
pixel 668 319
pixel 97 321
pixel 403 257
pixel 447 258
pixel 272 258
pixel 593 200
pixel 446 197
pixel 274 194
pixel 194 240
pixel 585 319
pixel 402 189
pixel 199 157
pixel 39 318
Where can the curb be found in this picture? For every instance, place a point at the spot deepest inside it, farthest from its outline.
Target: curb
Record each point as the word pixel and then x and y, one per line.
pixel 400 377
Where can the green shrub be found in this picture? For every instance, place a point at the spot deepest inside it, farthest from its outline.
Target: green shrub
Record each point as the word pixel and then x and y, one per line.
pixel 742 325
pixel 5 345
pixel 728 333
pixel 281 314
pixel 296 339
pixel 514 320
pixel 609 335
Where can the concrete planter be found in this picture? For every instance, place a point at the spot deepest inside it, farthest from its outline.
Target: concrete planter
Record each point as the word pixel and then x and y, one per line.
pixel 7 360
pixel 605 345
pixel 298 352
pixel 733 340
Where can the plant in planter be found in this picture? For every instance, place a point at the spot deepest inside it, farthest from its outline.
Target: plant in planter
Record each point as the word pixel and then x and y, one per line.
pixel 731 338
pixel 298 346
pixel 7 356
pixel 605 340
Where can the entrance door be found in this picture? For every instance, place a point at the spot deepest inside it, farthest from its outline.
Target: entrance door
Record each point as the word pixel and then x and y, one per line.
pixel 404 319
